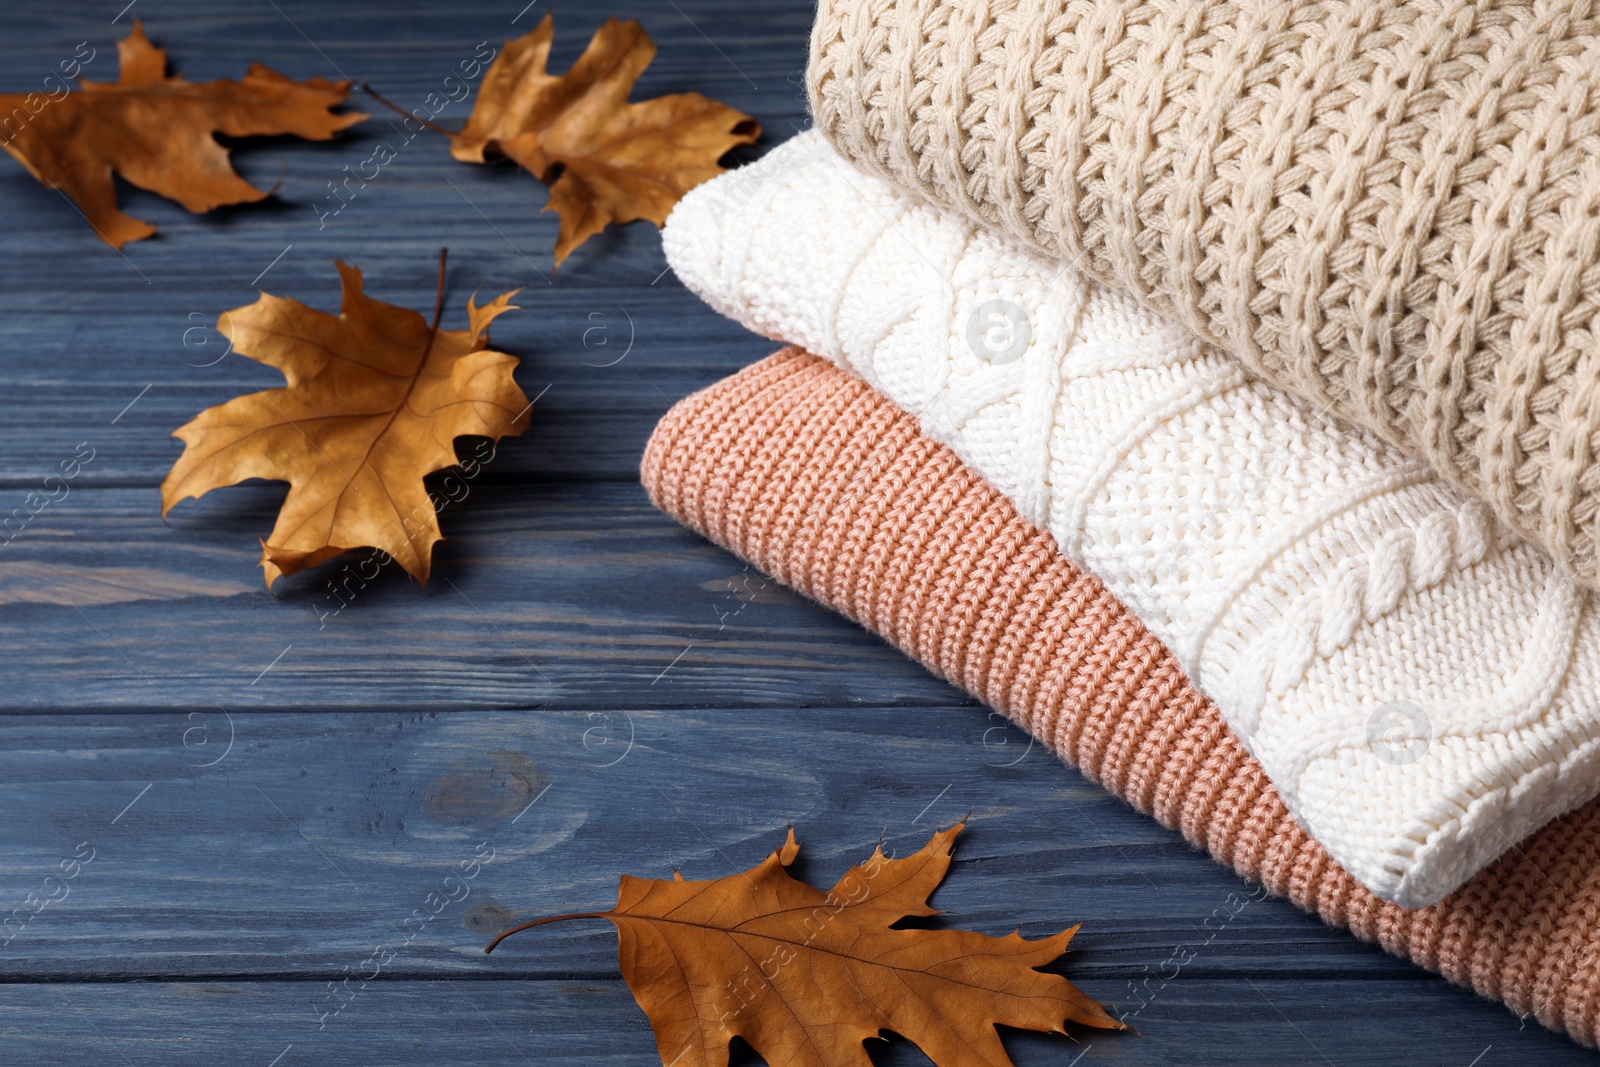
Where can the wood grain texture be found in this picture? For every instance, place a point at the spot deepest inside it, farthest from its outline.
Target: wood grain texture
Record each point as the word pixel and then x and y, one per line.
pixel 493 1024
pixel 381 733
pixel 303 840
pixel 544 595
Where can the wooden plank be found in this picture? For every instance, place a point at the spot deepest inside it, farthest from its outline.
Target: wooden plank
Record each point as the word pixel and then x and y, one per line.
pixel 604 368
pixel 229 843
pixel 1374 1023
pixel 544 595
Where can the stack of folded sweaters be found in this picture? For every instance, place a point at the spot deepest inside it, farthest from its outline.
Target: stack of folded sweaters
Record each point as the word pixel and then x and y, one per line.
pixel 1214 388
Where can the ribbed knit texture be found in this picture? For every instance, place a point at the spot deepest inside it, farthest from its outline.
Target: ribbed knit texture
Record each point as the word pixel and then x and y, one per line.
pixel 1422 687
pixel 814 478
pixel 1390 207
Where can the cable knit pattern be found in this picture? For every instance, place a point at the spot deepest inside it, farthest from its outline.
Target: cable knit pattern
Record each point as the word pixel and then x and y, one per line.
pixel 811 476
pixel 1422 687
pixel 1389 207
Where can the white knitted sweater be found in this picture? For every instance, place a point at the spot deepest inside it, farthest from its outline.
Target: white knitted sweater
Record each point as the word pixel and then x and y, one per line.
pixel 1422 687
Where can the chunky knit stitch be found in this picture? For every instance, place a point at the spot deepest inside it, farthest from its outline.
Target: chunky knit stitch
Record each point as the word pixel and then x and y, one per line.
pixel 811 476
pixel 1422 687
pixel 1389 207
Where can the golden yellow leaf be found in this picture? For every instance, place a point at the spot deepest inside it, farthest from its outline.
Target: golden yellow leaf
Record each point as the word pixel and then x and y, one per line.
pixel 157 132
pixel 618 161
pixel 806 977
pixel 375 400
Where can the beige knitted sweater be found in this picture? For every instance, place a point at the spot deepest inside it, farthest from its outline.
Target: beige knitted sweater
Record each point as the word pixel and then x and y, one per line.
pixel 1391 207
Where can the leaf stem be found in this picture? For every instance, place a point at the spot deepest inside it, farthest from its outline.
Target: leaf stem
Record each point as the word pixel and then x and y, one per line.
pixel 398 110
pixel 438 299
pixel 540 922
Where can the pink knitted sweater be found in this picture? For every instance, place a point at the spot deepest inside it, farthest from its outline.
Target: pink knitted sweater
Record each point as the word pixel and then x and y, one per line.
pixel 817 480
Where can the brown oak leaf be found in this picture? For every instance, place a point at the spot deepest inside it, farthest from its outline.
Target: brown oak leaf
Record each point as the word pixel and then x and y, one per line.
pixel 806 977
pixel 618 161
pixel 157 132
pixel 375 400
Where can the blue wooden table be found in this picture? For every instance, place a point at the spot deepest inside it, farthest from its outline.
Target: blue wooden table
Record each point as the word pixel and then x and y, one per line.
pixel 294 818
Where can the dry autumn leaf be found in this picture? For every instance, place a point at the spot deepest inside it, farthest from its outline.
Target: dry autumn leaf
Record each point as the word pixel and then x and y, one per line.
pixel 806 977
pixel 375 400
pixel 157 132
pixel 618 161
